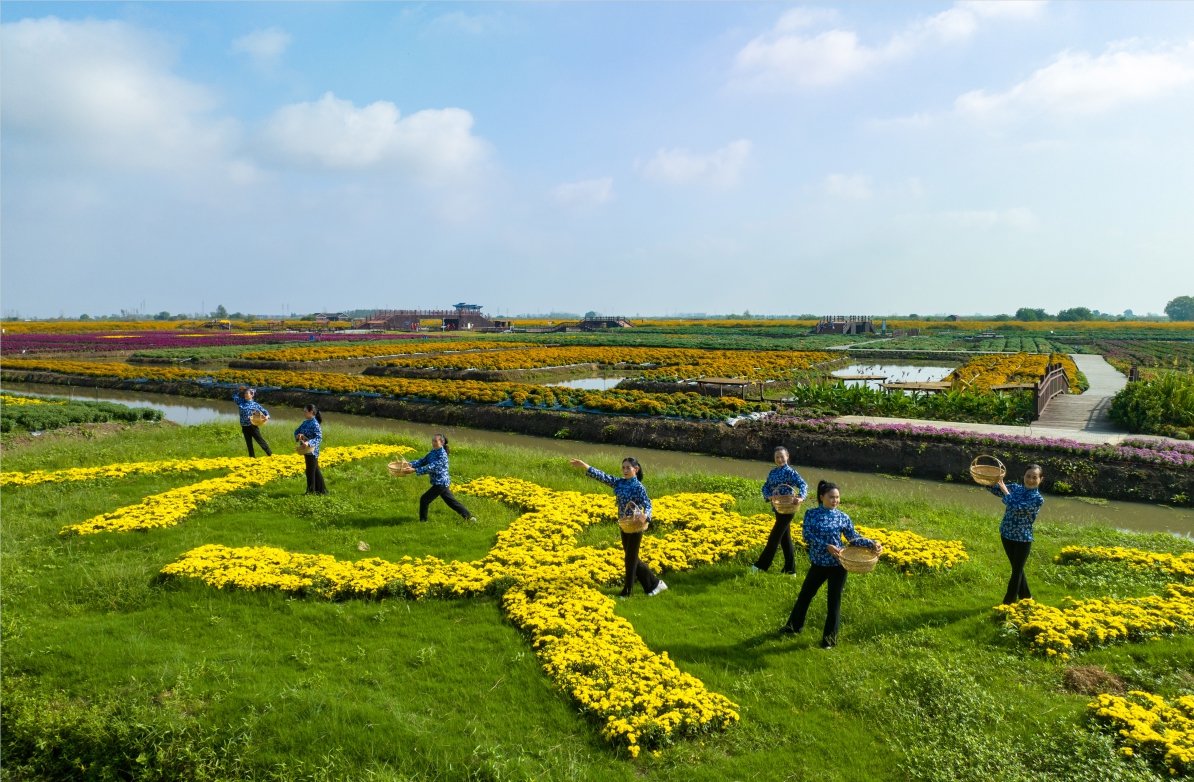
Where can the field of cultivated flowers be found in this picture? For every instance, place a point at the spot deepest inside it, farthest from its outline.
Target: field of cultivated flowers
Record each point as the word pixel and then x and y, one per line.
pixel 1181 565
pixel 416 345
pixel 649 363
pixel 982 373
pixel 171 507
pixel 1084 624
pixel 616 401
pixel 1149 725
pixel 17 344
pixel 550 591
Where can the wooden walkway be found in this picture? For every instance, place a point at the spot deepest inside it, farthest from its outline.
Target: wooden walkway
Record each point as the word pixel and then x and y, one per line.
pixel 1086 412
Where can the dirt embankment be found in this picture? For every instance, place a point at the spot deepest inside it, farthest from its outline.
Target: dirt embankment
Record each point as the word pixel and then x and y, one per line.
pixel 863 452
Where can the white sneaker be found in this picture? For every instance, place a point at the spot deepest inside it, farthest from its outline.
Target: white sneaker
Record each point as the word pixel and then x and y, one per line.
pixel 662 587
pixel 754 569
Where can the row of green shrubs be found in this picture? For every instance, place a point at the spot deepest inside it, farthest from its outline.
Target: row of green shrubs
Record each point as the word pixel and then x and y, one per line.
pixel 990 408
pixel 1162 405
pixel 63 412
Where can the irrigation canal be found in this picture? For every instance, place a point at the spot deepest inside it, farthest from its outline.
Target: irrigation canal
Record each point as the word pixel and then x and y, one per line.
pixel 1137 517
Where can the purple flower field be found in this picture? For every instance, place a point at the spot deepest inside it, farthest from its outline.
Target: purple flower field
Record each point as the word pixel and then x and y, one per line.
pixel 1153 452
pixel 17 344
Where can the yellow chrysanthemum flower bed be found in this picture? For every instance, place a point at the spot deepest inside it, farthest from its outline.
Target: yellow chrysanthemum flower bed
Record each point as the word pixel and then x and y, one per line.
pixel 1175 564
pixel 1081 624
pixel 638 697
pixel 984 372
pixel 171 507
pixel 372 350
pixel 17 401
pixel 1152 726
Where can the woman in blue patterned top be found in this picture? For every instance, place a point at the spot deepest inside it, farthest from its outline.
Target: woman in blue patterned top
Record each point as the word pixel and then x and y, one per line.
pixel 246 400
pixel 1023 503
pixel 435 464
pixel 781 533
pixel 310 432
pixel 823 529
pixel 632 497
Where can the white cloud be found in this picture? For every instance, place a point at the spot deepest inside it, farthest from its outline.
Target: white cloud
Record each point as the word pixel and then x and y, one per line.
pixel 856 186
pixel 589 193
pixel 787 57
pixel 103 93
pixel 1076 83
pixel 263 45
pixel 334 134
pixel 679 166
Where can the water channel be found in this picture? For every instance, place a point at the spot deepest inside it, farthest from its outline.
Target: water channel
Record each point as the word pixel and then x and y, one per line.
pixel 1137 517
pixel 894 373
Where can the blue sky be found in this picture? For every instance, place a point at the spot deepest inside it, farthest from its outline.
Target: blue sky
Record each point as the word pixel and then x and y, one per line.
pixel 636 158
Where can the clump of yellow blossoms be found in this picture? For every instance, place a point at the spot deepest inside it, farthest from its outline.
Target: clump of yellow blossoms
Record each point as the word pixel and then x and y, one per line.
pixel 984 372
pixel 1175 564
pixel 1080 624
pixel 171 507
pixel 18 401
pixel 1151 725
pixel 639 698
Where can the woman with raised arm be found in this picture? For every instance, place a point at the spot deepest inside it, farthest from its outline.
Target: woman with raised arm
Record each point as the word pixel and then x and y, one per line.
pixel 310 433
pixel 435 464
pixel 632 497
pixel 246 400
pixel 781 533
pixel 823 529
pixel 1023 503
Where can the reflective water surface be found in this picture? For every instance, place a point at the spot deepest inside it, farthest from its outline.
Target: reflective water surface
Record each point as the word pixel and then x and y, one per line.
pixel 1139 517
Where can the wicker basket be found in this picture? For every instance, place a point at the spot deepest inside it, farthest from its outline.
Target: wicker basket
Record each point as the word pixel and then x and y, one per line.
pixel 987 474
pixel 304 449
pixel 785 503
pixel 257 418
pixel 858 559
pixel 635 521
pixel 400 468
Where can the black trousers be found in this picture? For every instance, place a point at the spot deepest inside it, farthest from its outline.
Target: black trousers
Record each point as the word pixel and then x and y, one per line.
pixel 449 498
pixel 780 537
pixel 816 576
pixel 315 484
pixel 253 433
pixel 1017 553
pixel 635 569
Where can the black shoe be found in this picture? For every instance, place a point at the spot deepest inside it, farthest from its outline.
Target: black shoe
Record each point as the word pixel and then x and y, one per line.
pixel 789 630
pixel 827 644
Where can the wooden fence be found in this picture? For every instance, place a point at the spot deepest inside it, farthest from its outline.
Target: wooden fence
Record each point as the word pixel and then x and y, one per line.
pixel 1053 383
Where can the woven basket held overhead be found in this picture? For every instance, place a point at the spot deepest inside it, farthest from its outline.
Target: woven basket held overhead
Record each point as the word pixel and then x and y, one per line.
pixel 400 468
pixel 634 521
pixel 989 473
pixel 304 449
pixel 785 503
pixel 858 559
pixel 257 418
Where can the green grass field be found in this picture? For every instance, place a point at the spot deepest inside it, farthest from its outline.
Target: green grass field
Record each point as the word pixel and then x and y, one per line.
pixel 113 673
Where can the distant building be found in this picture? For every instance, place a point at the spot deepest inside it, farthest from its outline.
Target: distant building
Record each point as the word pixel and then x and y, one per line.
pixel 845 324
pixel 465 317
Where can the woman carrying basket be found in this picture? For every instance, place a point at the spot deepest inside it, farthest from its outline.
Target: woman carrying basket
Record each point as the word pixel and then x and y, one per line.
pixel 785 489
pixel 246 400
pixel 632 501
pixel 823 529
pixel 1023 503
pixel 435 464
pixel 310 434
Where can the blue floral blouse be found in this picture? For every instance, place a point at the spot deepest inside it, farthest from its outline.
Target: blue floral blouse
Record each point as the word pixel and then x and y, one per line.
pixel 784 475
pixel 824 527
pixel 247 408
pixel 1022 507
pixel 435 464
pixel 314 433
pixel 627 491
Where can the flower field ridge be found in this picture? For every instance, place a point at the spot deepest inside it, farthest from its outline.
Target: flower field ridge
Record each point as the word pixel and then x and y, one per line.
pixel 1082 624
pixel 1149 725
pixel 169 508
pixel 1175 564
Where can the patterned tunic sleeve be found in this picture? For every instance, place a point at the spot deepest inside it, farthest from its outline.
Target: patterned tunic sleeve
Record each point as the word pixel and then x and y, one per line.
pixel 313 432
pixel 634 491
pixel 852 534
pixel 605 478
